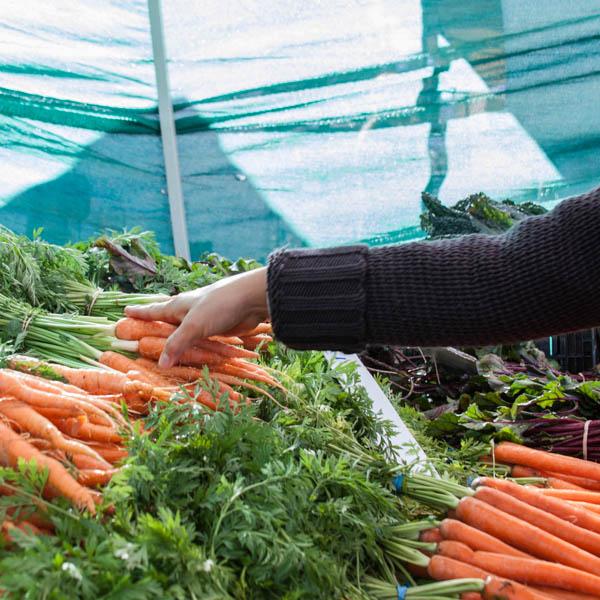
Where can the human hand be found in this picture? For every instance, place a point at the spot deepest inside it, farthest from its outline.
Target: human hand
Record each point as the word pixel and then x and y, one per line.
pixel 229 306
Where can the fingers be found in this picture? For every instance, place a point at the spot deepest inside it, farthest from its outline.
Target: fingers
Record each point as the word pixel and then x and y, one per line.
pixel 180 340
pixel 158 311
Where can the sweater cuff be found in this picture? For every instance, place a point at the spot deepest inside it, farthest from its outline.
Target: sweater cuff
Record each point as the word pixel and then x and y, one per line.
pixel 317 298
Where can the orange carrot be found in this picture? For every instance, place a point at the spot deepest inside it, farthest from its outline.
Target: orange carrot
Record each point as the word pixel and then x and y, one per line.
pixel 87 463
pixel 524 535
pixel 456 550
pixel 225 350
pixel 442 568
pixel 94 381
pixel 13 448
pixel 515 454
pixel 231 380
pixel 582 538
pixel 147 376
pixel 575 482
pixel 575 495
pixel 502 589
pixel 260 328
pixel 95 477
pixel 135 329
pixel 568 512
pixel 117 361
pixel 562 594
pixel 152 347
pixel 237 370
pixel 537 572
pixel 110 452
pixel 452 529
pixel 252 342
pixel 180 373
pixel 31 421
pixel 84 430
pixel 21 390
pixel 471 596
pixel 432 535
pixel 593 507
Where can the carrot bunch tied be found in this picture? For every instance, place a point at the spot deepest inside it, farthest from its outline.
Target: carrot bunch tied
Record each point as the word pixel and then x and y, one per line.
pixel 522 540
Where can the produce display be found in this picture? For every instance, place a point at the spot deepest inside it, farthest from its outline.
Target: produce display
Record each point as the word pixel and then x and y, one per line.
pixel 252 471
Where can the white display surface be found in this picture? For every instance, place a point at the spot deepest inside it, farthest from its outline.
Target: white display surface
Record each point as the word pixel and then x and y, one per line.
pixel 406 447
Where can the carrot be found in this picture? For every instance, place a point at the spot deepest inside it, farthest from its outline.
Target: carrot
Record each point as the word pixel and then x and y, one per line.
pixel 456 550
pixel 13 447
pixel 135 329
pixel 511 453
pixel 117 361
pixel 452 529
pixel 586 484
pixel 86 463
pixel 593 507
pixel 180 373
pixel 582 538
pixel 260 328
pixel 244 373
pixel 471 596
pixel 43 385
pixel 568 512
pixel 14 387
pixel 563 594
pixel 29 420
pixel 151 378
pixel 94 381
pixel 232 380
pixel 502 589
pixel 524 535
pixel 252 342
pixel 84 430
pixel 575 495
pixel 110 452
pixel 29 515
pixel 442 568
pixel 575 483
pixel 431 535
pixel 95 477
pixel 537 572
pixel 225 350
pixel 152 347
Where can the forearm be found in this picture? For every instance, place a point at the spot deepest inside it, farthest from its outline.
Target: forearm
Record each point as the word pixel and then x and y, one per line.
pixel 541 278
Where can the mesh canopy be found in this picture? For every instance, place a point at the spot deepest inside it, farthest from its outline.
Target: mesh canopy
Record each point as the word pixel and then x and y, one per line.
pixel 311 123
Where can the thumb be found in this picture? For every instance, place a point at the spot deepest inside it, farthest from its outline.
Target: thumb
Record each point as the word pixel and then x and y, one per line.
pixel 178 342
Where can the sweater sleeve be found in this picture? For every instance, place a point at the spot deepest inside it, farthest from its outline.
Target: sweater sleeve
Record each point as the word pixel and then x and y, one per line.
pixel 540 278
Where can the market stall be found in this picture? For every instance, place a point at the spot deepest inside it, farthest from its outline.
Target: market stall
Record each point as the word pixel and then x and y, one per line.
pixel 144 149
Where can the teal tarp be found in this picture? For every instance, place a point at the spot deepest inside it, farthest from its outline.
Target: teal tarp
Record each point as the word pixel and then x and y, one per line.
pixel 308 122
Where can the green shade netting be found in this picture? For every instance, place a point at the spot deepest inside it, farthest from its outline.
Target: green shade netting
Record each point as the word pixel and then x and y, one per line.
pixel 310 122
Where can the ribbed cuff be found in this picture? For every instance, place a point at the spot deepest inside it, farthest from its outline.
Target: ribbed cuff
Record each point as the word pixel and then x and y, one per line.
pixel 317 297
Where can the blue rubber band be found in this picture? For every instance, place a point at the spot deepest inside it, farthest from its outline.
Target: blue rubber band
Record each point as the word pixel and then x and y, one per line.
pixel 401 589
pixel 470 480
pixel 399 483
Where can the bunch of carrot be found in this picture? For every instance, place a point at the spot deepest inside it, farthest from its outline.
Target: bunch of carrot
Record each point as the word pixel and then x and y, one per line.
pixel 546 539
pixel 72 424
pixel 228 359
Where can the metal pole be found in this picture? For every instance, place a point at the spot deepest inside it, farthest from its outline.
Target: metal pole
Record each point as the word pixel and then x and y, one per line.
pixel 168 132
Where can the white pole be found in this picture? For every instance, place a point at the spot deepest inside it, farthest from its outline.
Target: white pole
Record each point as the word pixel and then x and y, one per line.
pixel 168 132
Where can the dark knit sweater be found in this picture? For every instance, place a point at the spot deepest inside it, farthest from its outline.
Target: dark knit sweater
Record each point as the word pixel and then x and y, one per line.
pixel 542 277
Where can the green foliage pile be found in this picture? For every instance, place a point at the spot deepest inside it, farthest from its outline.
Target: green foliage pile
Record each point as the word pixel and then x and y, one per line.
pixel 267 503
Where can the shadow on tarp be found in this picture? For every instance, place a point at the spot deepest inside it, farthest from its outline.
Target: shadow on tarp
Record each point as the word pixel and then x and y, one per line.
pixel 118 182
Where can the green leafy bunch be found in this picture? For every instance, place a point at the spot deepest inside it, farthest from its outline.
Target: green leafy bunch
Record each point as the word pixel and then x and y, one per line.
pixel 266 503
